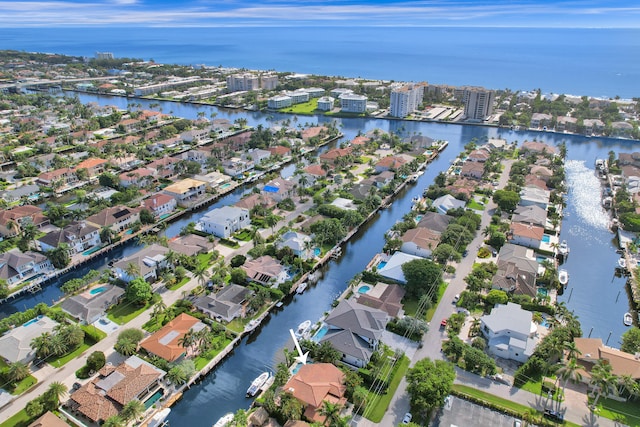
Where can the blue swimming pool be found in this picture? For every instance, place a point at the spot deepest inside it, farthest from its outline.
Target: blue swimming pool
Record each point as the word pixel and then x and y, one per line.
pixel 364 289
pixel 316 251
pixel 96 291
pixel 419 217
pixel 32 321
pixel 321 333
pixel 546 238
pixel 225 185
pixel 153 399
pixel 90 251
pixel 381 265
pixel 128 231
pixel 543 292
pixel 163 216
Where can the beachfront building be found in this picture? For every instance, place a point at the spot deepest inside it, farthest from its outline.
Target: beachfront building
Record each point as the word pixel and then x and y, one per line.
pixel 224 221
pixel 242 82
pixel 279 101
pixel 478 103
pixel 510 332
pixel 406 99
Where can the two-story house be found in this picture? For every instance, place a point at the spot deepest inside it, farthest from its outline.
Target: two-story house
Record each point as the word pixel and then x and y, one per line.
pixel 118 218
pixel 224 221
pixel 510 332
pixel 79 236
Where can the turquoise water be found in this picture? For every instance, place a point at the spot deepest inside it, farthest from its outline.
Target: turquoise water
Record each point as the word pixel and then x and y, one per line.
pixel 546 238
pixel 543 292
pixel 163 216
pixel 225 185
pixel 317 251
pixel 419 218
pixel 96 291
pixel 90 251
pixel 364 289
pixel 153 399
pixel 128 232
pixel 540 259
pixel 381 265
pixel 34 320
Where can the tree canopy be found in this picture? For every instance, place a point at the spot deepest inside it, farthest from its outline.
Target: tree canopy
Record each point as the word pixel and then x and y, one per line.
pixel 507 200
pixel 429 383
pixel 421 275
pixel 138 291
pixel 631 341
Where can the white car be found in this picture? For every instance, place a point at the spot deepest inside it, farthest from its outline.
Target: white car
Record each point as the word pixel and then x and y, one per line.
pixel 456 298
pixel 407 418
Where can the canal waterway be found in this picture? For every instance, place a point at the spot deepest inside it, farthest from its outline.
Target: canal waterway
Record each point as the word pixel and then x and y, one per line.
pixel 596 297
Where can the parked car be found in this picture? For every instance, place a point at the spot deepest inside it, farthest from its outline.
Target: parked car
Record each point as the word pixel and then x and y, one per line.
pixel 517 423
pixel 407 418
pixel 443 324
pixel 456 298
pixel 500 379
pixel 465 253
pixel 553 415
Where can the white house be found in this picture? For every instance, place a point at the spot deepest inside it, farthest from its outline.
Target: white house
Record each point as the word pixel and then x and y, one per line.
pixel 16 266
pixel 224 221
pixel 510 332
pixel 447 202
pixel 297 242
pixel 145 262
pixel 160 204
pixel 257 155
pixel 78 235
pixel 393 267
pixel 533 196
pixel 420 242
pixel 186 190
pixel 15 345
pixel 527 235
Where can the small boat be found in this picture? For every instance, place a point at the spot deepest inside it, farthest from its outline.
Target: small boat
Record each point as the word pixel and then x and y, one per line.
pixel 622 263
pixel 563 249
pixel 158 419
pixel 225 420
pixel 414 178
pixel 301 287
pixel 415 199
pixel 303 328
pixel 255 386
pixel 563 277
pixel 628 319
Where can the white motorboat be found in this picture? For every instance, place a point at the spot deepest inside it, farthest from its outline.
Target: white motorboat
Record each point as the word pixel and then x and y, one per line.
pixel 628 319
pixel 563 277
pixel 622 263
pixel 257 384
pixel 301 287
pixel 225 420
pixel 563 249
pixel 303 328
pixel 158 419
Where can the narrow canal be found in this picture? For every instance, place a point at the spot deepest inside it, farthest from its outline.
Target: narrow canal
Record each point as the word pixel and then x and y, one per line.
pixel 597 298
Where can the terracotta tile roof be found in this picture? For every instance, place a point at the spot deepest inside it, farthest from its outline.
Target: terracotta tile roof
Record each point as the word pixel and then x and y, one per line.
pixel 91 163
pixel 279 150
pixel 527 230
pixel 48 420
pixel 392 162
pixel 156 200
pixel 622 363
pixel 315 170
pixel 164 343
pixel 422 237
pixel 336 153
pixel 360 140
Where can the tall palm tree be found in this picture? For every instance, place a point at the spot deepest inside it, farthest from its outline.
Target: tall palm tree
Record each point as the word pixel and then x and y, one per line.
pixel 603 380
pixel 568 371
pixel 240 419
pixel 56 391
pixel 331 412
pixel 630 385
pixel 159 309
pixel 171 257
pixel 17 371
pixel 188 339
pixel 42 345
pixel 202 274
pixel 132 410
pixel 132 270
pixel 571 350
pixel 271 220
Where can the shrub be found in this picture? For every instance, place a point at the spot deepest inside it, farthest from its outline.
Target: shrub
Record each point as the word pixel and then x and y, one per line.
pixel 484 252
pixel 96 361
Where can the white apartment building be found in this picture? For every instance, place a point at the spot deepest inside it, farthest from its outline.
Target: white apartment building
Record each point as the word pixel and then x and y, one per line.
pixel 326 103
pixel 224 221
pixel 242 82
pixel 406 99
pixel 478 103
pixel 298 96
pixel 269 81
pixel 353 103
pixel 280 101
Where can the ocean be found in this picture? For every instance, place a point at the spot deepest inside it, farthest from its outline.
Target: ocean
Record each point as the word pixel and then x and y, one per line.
pixel 593 62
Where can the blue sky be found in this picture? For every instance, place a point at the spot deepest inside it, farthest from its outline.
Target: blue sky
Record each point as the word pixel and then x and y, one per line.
pixel 219 13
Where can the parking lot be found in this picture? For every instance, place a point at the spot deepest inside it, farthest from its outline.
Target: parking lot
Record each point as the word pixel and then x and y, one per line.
pixel 466 414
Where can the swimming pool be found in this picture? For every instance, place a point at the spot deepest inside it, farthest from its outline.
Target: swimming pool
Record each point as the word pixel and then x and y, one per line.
pixel 153 399
pixel 96 291
pixel 128 231
pixel 90 251
pixel 543 292
pixel 163 216
pixel 225 185
pixel 321 333
pixel 364 289
pixel 32 321
pixel 546 238
pixel 381 265
pixel 418 218
pixel 317 252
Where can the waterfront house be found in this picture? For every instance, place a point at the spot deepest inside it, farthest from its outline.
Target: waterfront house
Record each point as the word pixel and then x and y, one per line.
pixel 473 170
pixel 390 163
pixel 63 177
pixel 279 189
pixel 16 266
pixel 528 235
pixel 13 220
pixel 227 304
pixel 257 155
pixel 237 167
pixel 593 126
pixel 313 173
pixel 195 135
pixel 383 179
pixel 197 156
pixel 214 179
pixel 117 218
pixel 166 343
pixel 94 166
pixel 593 350
pixel 24 192
pixel 315 384
pixel 90 305
pixel 393 267
pixel 517 270
pixel 160 204
pixel 266 271
pixel 480 155
pixel 435 221
pixel 105 395
pixel 510 332
pixel 538 147
pixel 444 204
pixel 533 215
pixel 362 190
pixel 256 199
pixel 186 191
pixel 621 129
pixel 79 236
pixel 540 120
pixel 534 181
pixel 145 263
pixel 497 144
pixel 530 196
pixel 140 177
pixel 15 344
pixel 355 331
pixel 385 297
pixel 164 167
pixel 191 245
pixel 224 221
pixel 331 156
pixel 280 150
pixel 420 241
pixel 48 419
pixel 566 124
pixel 299 243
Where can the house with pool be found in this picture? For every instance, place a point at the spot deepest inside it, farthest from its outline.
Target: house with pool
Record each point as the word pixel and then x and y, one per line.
pixel 166 343
pixel 224 221
pixel 90 305
pixel 298 242
pixel 79 236
pixel 265 270
pixel 145 263
pixel 16 266
pixel 15 344
pixel 355 331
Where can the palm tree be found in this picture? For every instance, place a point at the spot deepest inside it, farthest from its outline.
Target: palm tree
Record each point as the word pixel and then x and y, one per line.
pixel 17 371
pixel 170 257
pixel 56 391
pixel 628 383
pixel 29 232
pixel 331 412
pixel 603 380
pixel 202 274
pixel 239 419
pixel 114 421
pixel 290 407
pixel 42 345
pixel 188 339
pixel 132 270
pixel 159 309
pixel 132 410
pixel 271 220
pixel 571 350
pixel 569 371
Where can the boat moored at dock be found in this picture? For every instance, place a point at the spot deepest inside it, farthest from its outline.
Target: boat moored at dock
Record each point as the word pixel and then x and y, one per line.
pixel 257 384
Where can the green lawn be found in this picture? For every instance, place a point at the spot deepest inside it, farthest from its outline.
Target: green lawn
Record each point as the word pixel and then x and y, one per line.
pixel 244 235
pixel 475 205
pixel 179 284
pixel 21 419
pixel 62 360
pixel 380 403
pixel 304 108
pixel 21 386
pixel 627 413
pixel 237 325
pixel 535 387
pixel 202 360
pixel 124 312
pixel 204 260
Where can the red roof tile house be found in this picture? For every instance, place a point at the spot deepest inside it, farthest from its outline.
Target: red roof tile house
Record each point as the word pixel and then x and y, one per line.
pixel 314 384
pixel 166 343
pixel 93 165
pixel 473 170
pixel 160 204
pixel 527 235
pixel 66 176
pixel 106 395
pixel 331 156
pixel 265 270
pixel 279 150
pixel 12 220
pixel 392 163
pixel 140 177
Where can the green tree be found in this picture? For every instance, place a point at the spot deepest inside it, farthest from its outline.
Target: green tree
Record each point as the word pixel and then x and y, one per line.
pixel 602 380
pixel 138 291
pixel 331 412
pixel 240 419
pixel 429 383
pixel 146 217
pixel 96 361
pixel 114 421
pixel 421 277
pixel 496 296
pixel 132 410
pixel 631 340
pixel 17 371
pixel 34 408
pixel 445 252
pixel 507 200
pixel 55 392
pixel 238 276
pixel 59 256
